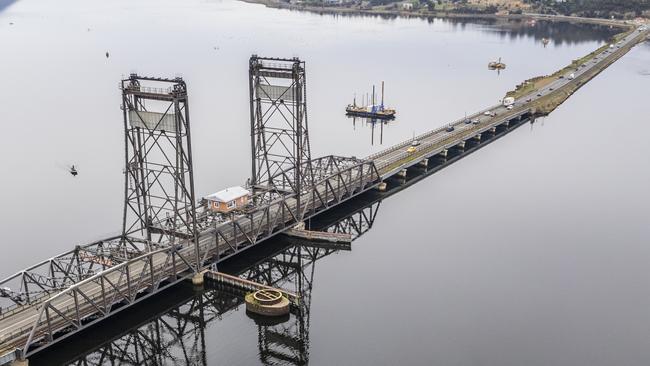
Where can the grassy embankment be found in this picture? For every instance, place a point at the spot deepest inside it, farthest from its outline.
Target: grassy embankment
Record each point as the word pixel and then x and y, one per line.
pixel 539 82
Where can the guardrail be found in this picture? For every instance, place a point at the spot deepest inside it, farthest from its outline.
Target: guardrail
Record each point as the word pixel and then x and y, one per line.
pixel 428 134
pixel 454 140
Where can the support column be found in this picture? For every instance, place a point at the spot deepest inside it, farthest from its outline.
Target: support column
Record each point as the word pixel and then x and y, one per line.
pixel 493 129
pixel 461 145
pixel 402 173
pixel 424 163
pixel 478 137
pixel 381 187
pixel 443 153
pixel 198 279
pixel 19 362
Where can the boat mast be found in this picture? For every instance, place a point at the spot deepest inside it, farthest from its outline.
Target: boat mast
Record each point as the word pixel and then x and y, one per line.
pixel 382 95
pixel 373 95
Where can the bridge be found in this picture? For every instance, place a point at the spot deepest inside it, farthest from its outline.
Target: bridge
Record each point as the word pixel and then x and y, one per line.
pixel 168 235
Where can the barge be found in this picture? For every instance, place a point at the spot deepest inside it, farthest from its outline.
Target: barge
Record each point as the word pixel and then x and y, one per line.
pixel 374 111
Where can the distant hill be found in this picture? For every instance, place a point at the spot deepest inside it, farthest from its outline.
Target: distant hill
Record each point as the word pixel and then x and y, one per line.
pixel 594 8
pixel 619 9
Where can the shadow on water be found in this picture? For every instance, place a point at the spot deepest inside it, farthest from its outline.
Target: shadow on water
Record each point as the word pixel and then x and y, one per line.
pixel 171 328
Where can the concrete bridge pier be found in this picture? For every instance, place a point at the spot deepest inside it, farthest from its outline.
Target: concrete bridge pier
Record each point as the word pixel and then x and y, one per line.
pixel 424 163
pixel 19 362
pixel 402 173
pixel 461 145
pixel 381 187
pixel 198 279
pixel 477 137
pixel 443 153
pixel 493 130
pixel 506 123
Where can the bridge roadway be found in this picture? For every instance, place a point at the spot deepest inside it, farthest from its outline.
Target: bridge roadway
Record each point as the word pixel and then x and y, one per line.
pixel 396 158
pixel 76 306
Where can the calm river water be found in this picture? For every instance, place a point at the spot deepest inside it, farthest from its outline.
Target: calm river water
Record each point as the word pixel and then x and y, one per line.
pixel 533 251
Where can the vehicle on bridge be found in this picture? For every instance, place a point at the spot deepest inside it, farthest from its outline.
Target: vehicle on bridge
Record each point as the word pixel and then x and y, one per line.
pixel 508 101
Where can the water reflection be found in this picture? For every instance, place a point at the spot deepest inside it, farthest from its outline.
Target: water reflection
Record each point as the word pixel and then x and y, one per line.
pixel 373 124
pixel 559 33
pixel 177 332
pixel 178 336
pixel 462 306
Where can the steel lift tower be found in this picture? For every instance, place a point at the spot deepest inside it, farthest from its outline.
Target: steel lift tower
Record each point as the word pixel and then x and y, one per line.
pixel 159 203
pixel 281 156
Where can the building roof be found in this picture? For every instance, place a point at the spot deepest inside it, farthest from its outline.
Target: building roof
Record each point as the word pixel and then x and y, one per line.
pixel 228 194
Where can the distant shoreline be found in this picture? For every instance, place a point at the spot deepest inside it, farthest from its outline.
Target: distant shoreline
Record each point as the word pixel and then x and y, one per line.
pixel 444 15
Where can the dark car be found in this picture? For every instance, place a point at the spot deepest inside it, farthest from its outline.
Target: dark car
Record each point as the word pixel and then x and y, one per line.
pixel 450 128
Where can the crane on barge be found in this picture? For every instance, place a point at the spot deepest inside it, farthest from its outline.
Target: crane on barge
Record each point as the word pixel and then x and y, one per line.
pixel 373 110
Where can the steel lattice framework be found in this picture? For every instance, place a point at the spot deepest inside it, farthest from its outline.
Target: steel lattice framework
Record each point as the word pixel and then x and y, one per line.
pixel 165 238
pixel 177 335
pixel 159 202
pixel 279 132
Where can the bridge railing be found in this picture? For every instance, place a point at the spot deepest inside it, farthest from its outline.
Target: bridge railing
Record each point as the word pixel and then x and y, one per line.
pixel 94 296
pixel 344 178
pixel 36 283
pixel 98 295
pixel 436 143
pixel 427 134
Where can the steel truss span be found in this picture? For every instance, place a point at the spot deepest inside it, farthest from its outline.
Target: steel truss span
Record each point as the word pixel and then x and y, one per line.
pixel 167 235
pixel 178 335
